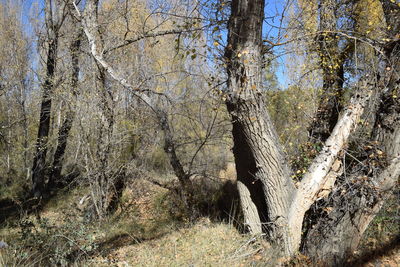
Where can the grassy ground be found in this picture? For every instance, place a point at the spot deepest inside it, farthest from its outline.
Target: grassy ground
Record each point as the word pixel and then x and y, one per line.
pixel 203 244
pixel 146 231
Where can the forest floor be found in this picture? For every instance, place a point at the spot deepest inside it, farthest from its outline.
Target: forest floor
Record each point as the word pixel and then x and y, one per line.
pixel 146 232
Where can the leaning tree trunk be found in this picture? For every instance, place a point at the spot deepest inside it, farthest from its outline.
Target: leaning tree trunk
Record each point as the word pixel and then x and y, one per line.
pixel 90 25
pixel 264 181
pixel 339 231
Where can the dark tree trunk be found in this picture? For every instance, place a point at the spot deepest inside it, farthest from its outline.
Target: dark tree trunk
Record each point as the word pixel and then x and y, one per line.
pixel 116 191
pixel 107 129
pixel 54 18
pixel 39 161
pixel 66 126
pixel 105 179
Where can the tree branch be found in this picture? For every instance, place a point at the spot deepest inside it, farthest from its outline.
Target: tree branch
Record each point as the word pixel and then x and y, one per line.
pixel 317 175
pixel 90 25
pixel 152 34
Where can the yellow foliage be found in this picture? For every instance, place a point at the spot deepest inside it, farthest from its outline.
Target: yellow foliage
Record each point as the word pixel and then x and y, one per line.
pixel 309 14
pixel 370 18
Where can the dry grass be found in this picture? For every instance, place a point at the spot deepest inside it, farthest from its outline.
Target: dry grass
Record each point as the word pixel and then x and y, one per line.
pixel 204 244
pixel 144 233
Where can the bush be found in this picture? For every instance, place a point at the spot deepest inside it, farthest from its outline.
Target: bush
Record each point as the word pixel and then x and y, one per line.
pixel 41 244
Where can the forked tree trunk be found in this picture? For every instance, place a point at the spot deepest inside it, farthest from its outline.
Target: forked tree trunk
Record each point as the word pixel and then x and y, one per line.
pixel 258 156
pixel 66 126
pixel 39 161
pixel 338 233
pixel 359 198
pixel 263 176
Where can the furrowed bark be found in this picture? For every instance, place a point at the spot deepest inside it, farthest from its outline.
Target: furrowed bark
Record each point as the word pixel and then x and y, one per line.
pixel 338 233
pixel 264 180
pixel 66 126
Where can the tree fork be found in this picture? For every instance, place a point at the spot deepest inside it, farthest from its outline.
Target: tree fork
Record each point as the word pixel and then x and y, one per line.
pixel 39 161
pixel 66 126
pixel 90 26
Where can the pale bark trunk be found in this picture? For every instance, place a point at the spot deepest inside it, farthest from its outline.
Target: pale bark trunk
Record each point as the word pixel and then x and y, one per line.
pixel 90 25
pixel 317 175
pixel 337 234
pixel 250 212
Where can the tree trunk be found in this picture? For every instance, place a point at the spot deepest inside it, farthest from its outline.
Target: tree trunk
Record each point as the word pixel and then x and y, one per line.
pixel 54 18
pixel 264 180
pixel 39 161
pixel 339 231
pixel 258 155
pixel 66 126
pixel 181 174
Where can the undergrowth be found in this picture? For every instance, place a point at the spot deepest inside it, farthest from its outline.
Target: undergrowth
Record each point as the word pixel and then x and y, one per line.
pixel 149 229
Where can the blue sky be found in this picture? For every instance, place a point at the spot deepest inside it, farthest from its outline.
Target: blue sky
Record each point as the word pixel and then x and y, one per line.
pixel 275 8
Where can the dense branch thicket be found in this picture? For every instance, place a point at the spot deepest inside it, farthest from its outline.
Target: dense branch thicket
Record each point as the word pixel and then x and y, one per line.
pixel 303 104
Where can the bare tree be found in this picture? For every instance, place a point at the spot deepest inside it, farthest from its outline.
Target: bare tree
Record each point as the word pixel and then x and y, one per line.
pixel 151 99
pixel 65 128
pixel 54 19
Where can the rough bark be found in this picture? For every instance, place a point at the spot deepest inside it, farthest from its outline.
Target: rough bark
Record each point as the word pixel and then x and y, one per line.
pixel 39 161
pixel 66 126
pixel 264 179
pixel 338 232
pixel 318 173
pixel 258 156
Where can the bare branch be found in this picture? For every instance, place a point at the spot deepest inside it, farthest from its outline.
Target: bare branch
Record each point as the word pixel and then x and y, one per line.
pixel 317 175
pixel 150 35
pixel 90 26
